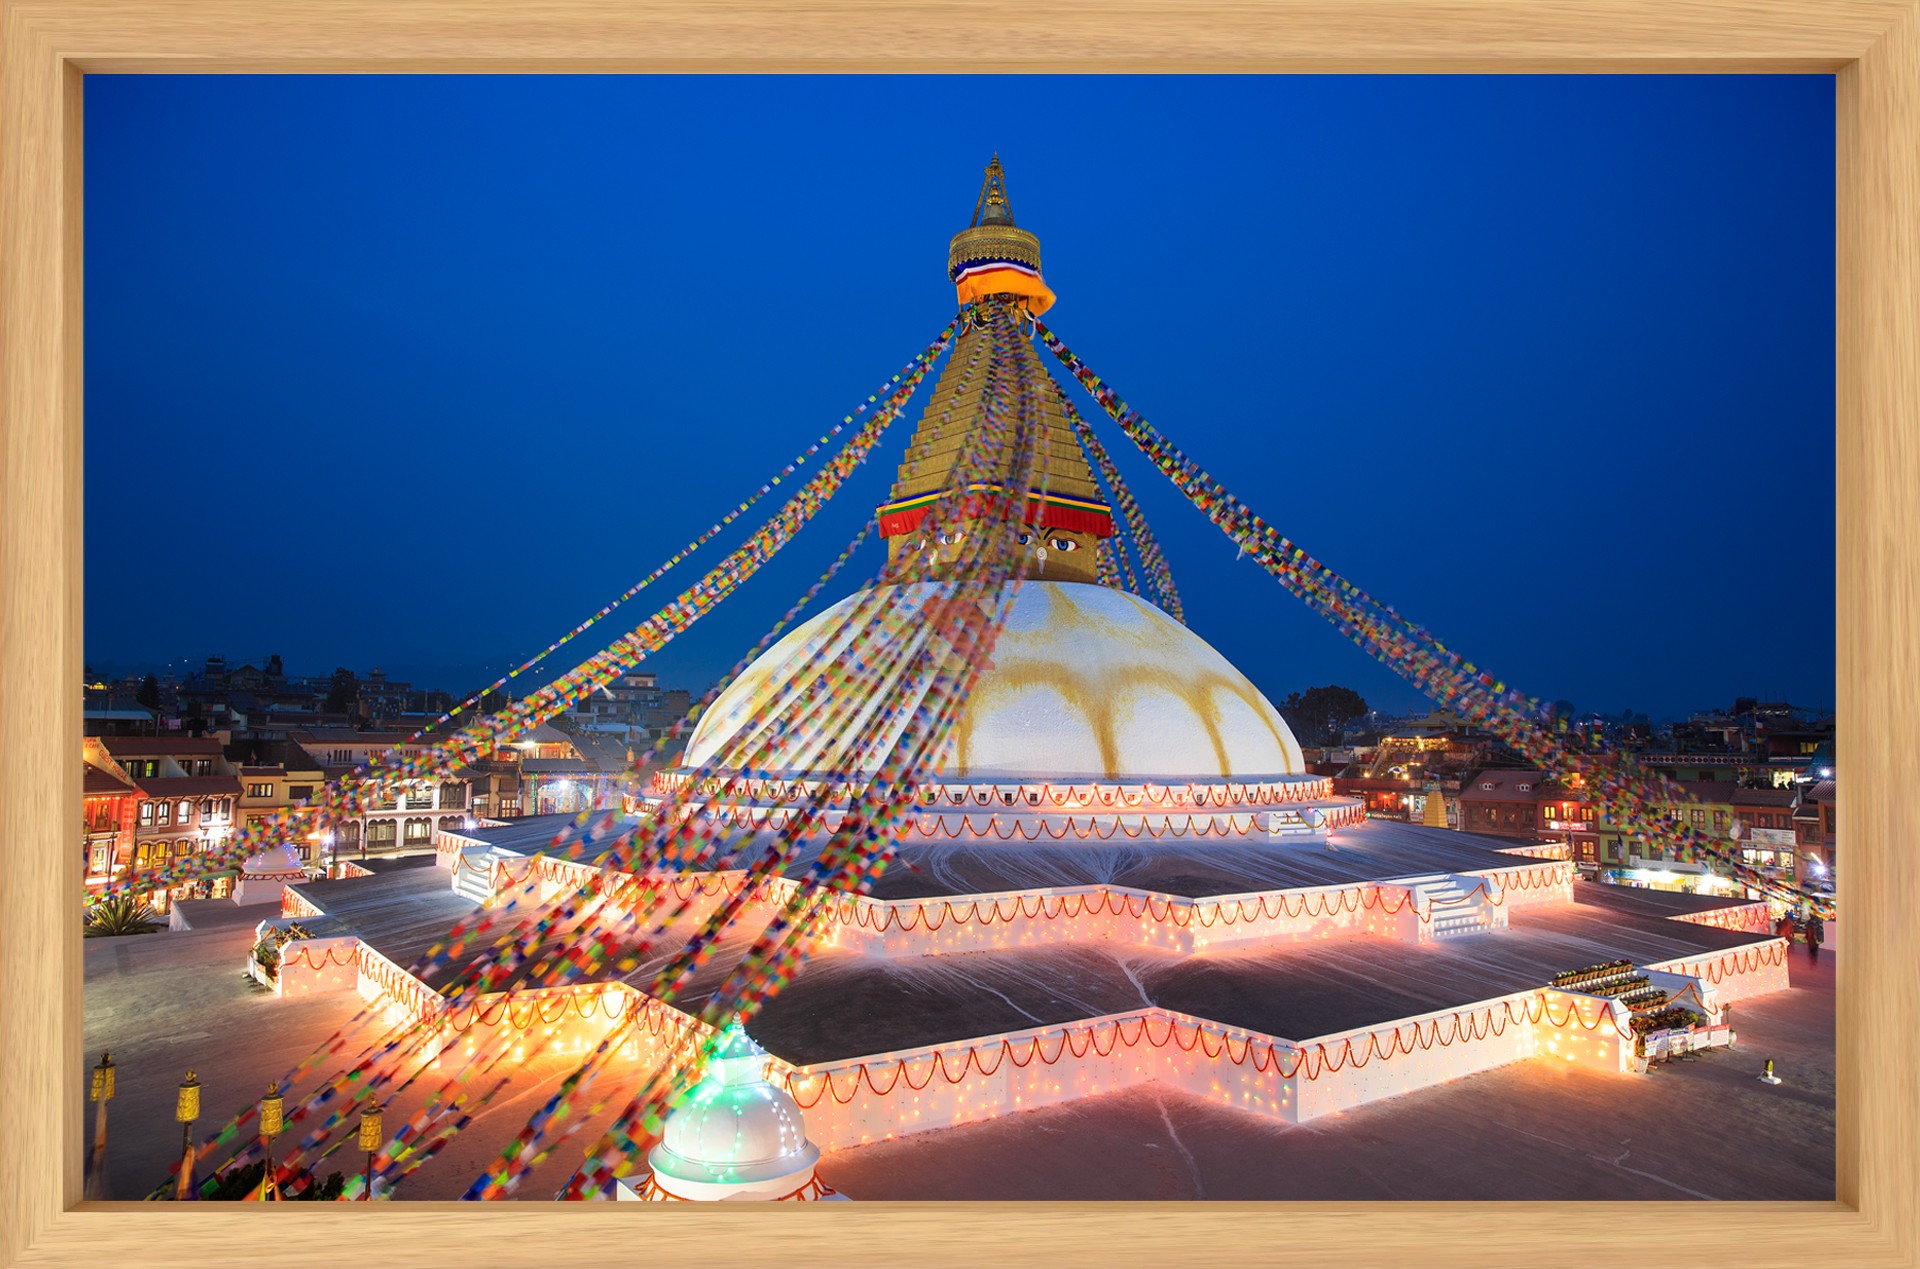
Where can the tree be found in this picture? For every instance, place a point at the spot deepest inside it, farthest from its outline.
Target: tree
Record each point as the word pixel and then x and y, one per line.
pixel 1319 714
pixel 149 693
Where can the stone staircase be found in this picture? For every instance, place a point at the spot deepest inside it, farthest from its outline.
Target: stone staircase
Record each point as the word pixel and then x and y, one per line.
pixel 1457 907
pixel 473 873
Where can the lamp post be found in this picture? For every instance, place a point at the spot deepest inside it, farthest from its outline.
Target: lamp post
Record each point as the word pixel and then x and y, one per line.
pixel 372 1136
pixel 272 1119
pixel 186 1109
pixel 101 1094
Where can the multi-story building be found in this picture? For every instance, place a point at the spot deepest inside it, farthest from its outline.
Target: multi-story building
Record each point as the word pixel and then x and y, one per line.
pixel 1504 804
pixel 594 773
pixel 1763 825
pixel 634 706
pixel 1752 767
pixel 1529 805
pixel 282 776
pixel 1704 805
pixel 188 802
pixel 1567 815
pixel 404 818
pixel 1816 823
pixel 108 820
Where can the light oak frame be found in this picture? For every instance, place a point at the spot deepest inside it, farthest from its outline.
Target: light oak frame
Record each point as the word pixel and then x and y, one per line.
pixel 1872 47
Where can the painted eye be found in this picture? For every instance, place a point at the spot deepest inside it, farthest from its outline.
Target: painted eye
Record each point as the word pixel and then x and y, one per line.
pixel 949 539
pixel 1063 544
pixel 1025 538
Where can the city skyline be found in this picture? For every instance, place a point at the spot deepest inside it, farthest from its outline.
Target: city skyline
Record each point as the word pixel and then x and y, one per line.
pixel 404 318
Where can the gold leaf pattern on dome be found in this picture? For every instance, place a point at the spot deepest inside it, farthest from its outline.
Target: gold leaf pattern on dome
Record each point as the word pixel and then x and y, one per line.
pixel 1026 661
pixel 1085 682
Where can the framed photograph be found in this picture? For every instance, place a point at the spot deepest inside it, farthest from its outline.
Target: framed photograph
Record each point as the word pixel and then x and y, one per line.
pixel 669 700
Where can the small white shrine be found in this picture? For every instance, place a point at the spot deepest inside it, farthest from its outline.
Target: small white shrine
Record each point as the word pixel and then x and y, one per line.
pixel 737 1137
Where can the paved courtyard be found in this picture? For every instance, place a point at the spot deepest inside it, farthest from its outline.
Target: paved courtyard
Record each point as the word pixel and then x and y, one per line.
pixel 1699 1129
pixel 1536 1130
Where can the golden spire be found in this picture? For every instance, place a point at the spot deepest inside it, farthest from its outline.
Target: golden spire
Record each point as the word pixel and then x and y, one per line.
pixel 993 197
pixel 994 263
pixel 992 256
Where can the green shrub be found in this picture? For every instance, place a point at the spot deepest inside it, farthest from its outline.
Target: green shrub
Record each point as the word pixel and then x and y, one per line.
pixel 121 914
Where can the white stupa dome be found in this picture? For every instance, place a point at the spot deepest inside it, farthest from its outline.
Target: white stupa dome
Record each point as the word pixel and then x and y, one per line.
pixel 737 1136
pixel 274 861
pixel 1087 683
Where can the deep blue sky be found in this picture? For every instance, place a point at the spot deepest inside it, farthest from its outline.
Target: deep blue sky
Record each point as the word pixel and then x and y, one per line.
pixel 418 372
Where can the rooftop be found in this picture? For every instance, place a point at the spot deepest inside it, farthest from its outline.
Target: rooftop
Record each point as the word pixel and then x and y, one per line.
pixel 100 783
pixel 160 746
pixel 186 786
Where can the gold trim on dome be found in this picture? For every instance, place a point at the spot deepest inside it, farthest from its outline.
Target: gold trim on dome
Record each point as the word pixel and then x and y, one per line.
pixel 993 242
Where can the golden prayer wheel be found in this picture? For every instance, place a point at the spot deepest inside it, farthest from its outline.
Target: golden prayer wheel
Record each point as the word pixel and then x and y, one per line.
pixel 372 1133
pixel 272 1108
pixel 186 1108
pixel 103 1079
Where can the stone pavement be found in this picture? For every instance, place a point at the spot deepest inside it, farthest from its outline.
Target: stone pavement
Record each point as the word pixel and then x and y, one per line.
pixel 1535 1130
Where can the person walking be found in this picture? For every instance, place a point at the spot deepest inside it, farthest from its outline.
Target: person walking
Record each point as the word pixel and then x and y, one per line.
pixel 1785 928
pixel 1816 935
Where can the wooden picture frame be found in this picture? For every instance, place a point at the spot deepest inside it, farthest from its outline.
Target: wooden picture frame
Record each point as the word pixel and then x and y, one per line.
pixel 1872 47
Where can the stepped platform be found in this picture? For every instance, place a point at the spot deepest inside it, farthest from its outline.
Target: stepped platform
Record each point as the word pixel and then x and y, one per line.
pixel 1398 957
pixel 1372 851
pixel 847 1004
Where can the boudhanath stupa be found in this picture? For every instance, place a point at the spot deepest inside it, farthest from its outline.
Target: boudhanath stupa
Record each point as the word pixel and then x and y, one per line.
pixel 1118 868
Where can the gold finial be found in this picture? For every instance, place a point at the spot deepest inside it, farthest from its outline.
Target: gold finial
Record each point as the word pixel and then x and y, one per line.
pixel 992 207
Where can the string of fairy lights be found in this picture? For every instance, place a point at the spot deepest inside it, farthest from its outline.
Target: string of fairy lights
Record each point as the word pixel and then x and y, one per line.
pixel 1642 803
pixel 875 704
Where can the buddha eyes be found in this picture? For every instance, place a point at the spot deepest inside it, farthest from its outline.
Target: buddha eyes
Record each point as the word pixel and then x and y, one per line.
pixel 1024 536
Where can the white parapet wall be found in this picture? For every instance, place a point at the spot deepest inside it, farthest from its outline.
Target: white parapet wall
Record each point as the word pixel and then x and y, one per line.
pixel 1737 973
pixel 895 1094
pixel 1356 1067
pixel 309 966
pixel 947 925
